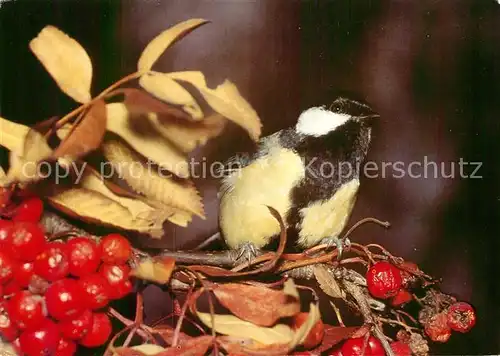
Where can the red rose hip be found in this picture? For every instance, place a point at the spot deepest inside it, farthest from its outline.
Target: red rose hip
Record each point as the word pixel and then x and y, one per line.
pixel 84 256
pixel 40 341
pixel 95 291
pixel 7 266
pixel 30 209
pixel 383 280
pixel 354 347
pixel 5 235
pixel 117 277
pixel 8 328
pixel 52 263
pixel 437 328
pixel 115 249
pixel 28 240
pixel 27 309
pixel 400 348
pixel 64 299
pixel 76 328
pixel 461 317
pixel 99 332
pixel 66 347
pixel 23 273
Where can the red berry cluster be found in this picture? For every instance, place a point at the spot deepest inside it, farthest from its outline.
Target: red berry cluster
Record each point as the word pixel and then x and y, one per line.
pixel 52 294
pixel 459 316
pixel 359 346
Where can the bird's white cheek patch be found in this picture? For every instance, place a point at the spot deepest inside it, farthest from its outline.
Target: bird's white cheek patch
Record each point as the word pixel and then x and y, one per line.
pixel 327 218
pixel 317 121
pixel 267 181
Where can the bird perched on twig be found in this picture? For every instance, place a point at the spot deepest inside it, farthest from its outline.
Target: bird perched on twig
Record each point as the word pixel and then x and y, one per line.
pixel 308 173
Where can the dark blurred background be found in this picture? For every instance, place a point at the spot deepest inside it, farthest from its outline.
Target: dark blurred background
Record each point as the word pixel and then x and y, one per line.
pixel 431 68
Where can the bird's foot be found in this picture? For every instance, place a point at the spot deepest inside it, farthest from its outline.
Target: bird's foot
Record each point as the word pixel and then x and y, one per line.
pixel 246 253
pixel 340 243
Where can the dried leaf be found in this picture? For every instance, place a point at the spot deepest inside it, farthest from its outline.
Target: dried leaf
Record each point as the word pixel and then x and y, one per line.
pixel 327 281
pixel 160 43
pixel 12 134
pixel 66 61
pixel 226 100
pixel 147 142
pixel 197 346
pixel 258 305
pixel 139 350
pixel 93 202
pixel 24 165
pixel 86 136
pixel 300 334
pixel 167 334
pixel 139 102
pixel 246 346
pixel 165 88
pixel 334 335
pixel 157 270
pixel 234 326
pixel 187 135
pixel 145 180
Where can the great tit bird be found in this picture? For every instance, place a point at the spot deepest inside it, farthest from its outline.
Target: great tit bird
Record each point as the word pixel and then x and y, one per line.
pixel 308 173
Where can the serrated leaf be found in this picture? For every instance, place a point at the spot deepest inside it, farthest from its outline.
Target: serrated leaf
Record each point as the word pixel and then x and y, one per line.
pixel 147 142
pixel 86 136
pixel 234 326
pixel 92 202
pixel 177 194
pixel 160 43
pixel 226 100
pixel 256 304
pixel 157 270
pixel 12 134
pixel 66 61
pixel 165 88
pixel 188 135
pixel 327 281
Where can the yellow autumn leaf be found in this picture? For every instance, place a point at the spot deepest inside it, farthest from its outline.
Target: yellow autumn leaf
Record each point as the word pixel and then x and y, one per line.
pixel 164 88
pixel 66 61
pixel 94 207
pixel 226 100
pixel 187 135
pixel 234 326
pixel 301 333
pixel 150 182
pixel 12 134
pixel 147 142
pixel 160 43
pixel 157 270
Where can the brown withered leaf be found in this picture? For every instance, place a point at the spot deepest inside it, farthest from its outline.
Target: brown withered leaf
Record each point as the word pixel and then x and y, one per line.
pixel 12 135
pixel 333 336
pixel 158 270
pixel 187 135
pixel 145 140
pixel 66 61
pixel 165 88
pixel 148 181
pixel 256 304
pixel 160 43
pixel 327 281
pixel 197 346
pixel 301 333
pixel 86 136
pixel 226 100
pixel 139 102
pixel 167 334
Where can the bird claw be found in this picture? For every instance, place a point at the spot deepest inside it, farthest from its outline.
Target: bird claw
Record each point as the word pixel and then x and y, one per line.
pixel 340 243
pixel 246 252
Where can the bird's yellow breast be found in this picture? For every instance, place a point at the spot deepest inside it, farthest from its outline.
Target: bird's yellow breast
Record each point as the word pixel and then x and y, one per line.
pixel 268 180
